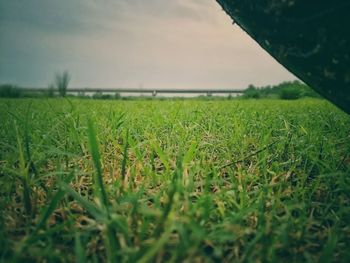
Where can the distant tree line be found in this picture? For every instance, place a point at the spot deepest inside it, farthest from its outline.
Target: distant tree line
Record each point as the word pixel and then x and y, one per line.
pixel 289 90
pixel 13 91
pixel 285 90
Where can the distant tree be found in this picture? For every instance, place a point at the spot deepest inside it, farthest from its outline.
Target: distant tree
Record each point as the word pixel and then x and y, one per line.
pixel 117 96
pixel 287 90
pixel 252 92
pixel 290 93
pixel 62 81
pixel 251 87
pixel 106 96
pixel 97 95
pixel 309 92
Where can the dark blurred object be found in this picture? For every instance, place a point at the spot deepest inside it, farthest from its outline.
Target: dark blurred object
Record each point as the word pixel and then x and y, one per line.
pixel 310 38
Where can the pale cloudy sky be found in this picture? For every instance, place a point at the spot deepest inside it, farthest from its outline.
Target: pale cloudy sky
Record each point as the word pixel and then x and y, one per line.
pixel 130 43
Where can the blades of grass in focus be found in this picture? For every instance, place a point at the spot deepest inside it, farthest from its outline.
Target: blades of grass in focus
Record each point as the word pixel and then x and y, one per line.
pixel 80 254
pixel 185 198
pixel 50 208
pixel 328 249
pixel 162 156
pixel 159 243
pixel 95 211
pixel 96 158
pixel 24 174
pixel 111 241
pixel 125 156
pixel 172 190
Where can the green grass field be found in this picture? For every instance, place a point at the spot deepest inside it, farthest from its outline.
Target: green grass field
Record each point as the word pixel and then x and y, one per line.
pixel 175 181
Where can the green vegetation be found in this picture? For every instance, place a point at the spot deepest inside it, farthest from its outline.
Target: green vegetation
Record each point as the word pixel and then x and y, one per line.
pixel 15 92
pixel 10 91
pixel 178 181
pixel 285 90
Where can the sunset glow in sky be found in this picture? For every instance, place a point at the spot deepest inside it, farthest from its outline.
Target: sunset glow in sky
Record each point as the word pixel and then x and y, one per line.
pixel 130 43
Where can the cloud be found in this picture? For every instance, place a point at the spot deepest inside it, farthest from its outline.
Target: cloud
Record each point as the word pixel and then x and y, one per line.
pixel 79 16
pixel 177 43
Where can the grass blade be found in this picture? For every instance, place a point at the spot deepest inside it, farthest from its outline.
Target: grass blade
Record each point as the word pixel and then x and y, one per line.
pixel 96 157
pixel 80 256
pixel 97 213
pixel 24 175
pixel 148 256
pixel 125 156
pixel 50 209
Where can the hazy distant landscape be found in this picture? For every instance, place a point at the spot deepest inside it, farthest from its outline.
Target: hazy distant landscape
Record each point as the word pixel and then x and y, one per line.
pixel 286 90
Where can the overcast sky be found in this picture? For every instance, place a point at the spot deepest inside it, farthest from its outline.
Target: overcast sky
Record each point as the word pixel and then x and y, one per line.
pixel 129 43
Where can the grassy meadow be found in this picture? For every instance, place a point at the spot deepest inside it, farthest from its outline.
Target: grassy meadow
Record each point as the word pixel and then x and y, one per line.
pixel 174 181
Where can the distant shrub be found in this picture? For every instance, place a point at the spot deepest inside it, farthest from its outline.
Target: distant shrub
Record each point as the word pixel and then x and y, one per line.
pixel 286 90
pixel 10 91
pixel 252 93
pixel 100 96
pixel 117 96
pixel 106 96
pixel 290 93
pixel 97 95
pixel 309 92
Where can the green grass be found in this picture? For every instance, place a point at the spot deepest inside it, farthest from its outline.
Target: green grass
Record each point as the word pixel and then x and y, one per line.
pixel 177 181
